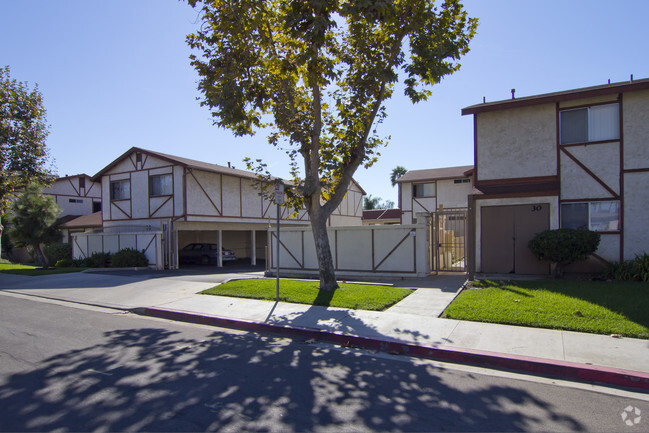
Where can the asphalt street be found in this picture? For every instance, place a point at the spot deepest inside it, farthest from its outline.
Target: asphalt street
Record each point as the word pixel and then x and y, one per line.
pixel 67 368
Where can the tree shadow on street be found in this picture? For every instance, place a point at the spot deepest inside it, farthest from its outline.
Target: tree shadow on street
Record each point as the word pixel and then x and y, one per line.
pixel 153 379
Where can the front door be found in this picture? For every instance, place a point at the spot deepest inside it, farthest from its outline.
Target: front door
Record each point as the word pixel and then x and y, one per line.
pixel 505 234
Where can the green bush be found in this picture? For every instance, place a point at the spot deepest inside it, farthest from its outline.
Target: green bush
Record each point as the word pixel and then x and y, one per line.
pixel 57 251
pixel 129 258
pixel 64 263
pixel 99 260
pixel 564 246
pixel 81 263
pixel 629 270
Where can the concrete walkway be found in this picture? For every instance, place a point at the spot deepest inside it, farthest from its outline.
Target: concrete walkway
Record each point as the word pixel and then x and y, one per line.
pixel 414 320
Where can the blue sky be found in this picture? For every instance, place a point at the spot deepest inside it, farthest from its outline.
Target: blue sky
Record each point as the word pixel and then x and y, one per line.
pixel 115 74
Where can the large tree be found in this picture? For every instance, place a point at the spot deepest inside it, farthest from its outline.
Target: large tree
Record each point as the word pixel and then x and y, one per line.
pixel 318 73
pixel 396 173
pixel 23 130
pixel 34 221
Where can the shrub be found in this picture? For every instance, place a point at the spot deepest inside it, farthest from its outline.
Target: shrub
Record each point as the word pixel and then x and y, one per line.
pixel 81 263
pixel 56 252
pixel 564 246
pixel 99 260
pixel 629 270
pixel 129 258
pixel 64 263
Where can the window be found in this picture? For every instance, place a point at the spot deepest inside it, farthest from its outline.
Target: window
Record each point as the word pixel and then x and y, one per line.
pixel 423 190
pixel 461 180
pixel 120 190
pixel 598 123
pixel 82 182
pixel 75 200
pixel 600 216
pixel 160 185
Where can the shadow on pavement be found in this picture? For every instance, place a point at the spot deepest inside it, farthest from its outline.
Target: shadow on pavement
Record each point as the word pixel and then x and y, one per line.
pixel 152 379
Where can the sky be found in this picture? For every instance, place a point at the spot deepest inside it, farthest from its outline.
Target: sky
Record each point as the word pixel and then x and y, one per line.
pixel 116 74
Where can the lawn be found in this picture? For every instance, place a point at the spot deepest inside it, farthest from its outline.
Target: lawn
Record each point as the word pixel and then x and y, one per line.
pixel 584 306
pixel 32 271
pixel 352 296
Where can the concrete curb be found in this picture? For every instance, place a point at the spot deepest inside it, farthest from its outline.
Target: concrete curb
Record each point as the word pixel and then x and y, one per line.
pixel 523 364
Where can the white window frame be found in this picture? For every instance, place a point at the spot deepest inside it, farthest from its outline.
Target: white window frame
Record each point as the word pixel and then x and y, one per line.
pixel 595 132
pixel 589 207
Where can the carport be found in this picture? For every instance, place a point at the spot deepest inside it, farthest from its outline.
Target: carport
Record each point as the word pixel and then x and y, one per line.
pixel 247 240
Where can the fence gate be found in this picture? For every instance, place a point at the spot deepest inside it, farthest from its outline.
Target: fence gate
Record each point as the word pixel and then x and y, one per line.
pixel 449 240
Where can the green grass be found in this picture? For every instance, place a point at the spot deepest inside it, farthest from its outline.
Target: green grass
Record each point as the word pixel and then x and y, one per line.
pixel 33 271
pixel 352 296
pixel 582 306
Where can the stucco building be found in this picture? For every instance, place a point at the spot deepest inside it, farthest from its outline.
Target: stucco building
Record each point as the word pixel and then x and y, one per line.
pixel 434 189
pixel 181 201
pixel 577 158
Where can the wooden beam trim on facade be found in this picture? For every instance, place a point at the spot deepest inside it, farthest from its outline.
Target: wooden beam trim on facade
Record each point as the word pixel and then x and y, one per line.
pixel 206 195
pixel 590 173
pixel 158 208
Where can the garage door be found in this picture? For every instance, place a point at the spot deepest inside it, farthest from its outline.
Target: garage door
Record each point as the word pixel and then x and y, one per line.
pixel 505 233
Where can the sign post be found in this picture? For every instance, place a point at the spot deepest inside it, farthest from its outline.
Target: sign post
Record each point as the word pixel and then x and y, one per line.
pixel 279 199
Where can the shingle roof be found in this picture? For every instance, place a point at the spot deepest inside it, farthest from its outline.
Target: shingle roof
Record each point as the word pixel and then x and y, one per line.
pixel 91 220
pixel 381 214
pixel 436 174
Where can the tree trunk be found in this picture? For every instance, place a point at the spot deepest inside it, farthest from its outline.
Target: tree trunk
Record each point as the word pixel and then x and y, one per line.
pixel 323 250
pixel 42 261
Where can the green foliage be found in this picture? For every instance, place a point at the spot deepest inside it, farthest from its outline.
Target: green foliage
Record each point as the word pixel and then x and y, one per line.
pixel 82 263
pixel 370 203
pixel 99 260
pixel 564 246
pixel 397 172
pixel 636 269
pixel 129 258
pixel 23 131
pixel 64 263
pixel 57 251
pixel 33 221
pixel 317 75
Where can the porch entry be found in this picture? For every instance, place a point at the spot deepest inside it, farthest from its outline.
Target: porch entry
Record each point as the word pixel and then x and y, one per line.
pixel 448 243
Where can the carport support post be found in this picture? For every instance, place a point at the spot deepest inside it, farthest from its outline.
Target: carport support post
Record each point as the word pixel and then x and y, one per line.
pixel 253 252
pixel 220 251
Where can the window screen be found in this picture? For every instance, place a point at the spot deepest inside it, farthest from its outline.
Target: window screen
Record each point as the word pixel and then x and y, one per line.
pixel 574 216
pixel 424 190
pixel 574 126
pixel 600 216
pixel 160 185
pixel 120 190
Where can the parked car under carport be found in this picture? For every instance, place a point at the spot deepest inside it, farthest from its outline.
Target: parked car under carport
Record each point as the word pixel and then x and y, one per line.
pixel 204 254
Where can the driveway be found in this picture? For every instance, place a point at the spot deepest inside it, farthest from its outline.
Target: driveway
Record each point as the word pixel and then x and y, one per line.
pixel 119 289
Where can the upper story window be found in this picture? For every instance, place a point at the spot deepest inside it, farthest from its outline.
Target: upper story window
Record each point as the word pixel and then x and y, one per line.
pixel 597 123
pixel 424 189
pixel 461 180
pixel 120 190
pixel 160 185
pixel 82 182
pixel 599 216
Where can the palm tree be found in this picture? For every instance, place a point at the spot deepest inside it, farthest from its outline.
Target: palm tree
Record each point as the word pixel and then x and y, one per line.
pixel 397 172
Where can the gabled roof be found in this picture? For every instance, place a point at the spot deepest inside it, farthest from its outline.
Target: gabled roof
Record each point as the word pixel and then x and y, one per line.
pixel 185 162
pixel 91 220
pixel 436 174
pixel 67 176
pixel 566 95
pixel 189 163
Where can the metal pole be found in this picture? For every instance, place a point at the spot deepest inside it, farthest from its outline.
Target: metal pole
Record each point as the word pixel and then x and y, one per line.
pixel 277 290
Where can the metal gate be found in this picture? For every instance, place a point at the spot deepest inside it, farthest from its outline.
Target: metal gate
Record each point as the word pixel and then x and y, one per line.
pixel 449 230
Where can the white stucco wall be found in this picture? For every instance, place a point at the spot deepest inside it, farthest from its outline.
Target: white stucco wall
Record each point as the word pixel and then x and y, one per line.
pixel 636 129
pixel 636 214
pixel 517 143
pixel 602 159
pixel 453 195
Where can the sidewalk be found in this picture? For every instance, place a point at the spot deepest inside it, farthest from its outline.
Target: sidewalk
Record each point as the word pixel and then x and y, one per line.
pixel 410 327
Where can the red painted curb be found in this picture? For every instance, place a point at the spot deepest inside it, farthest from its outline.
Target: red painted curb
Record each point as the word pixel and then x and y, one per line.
pixel 525 364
